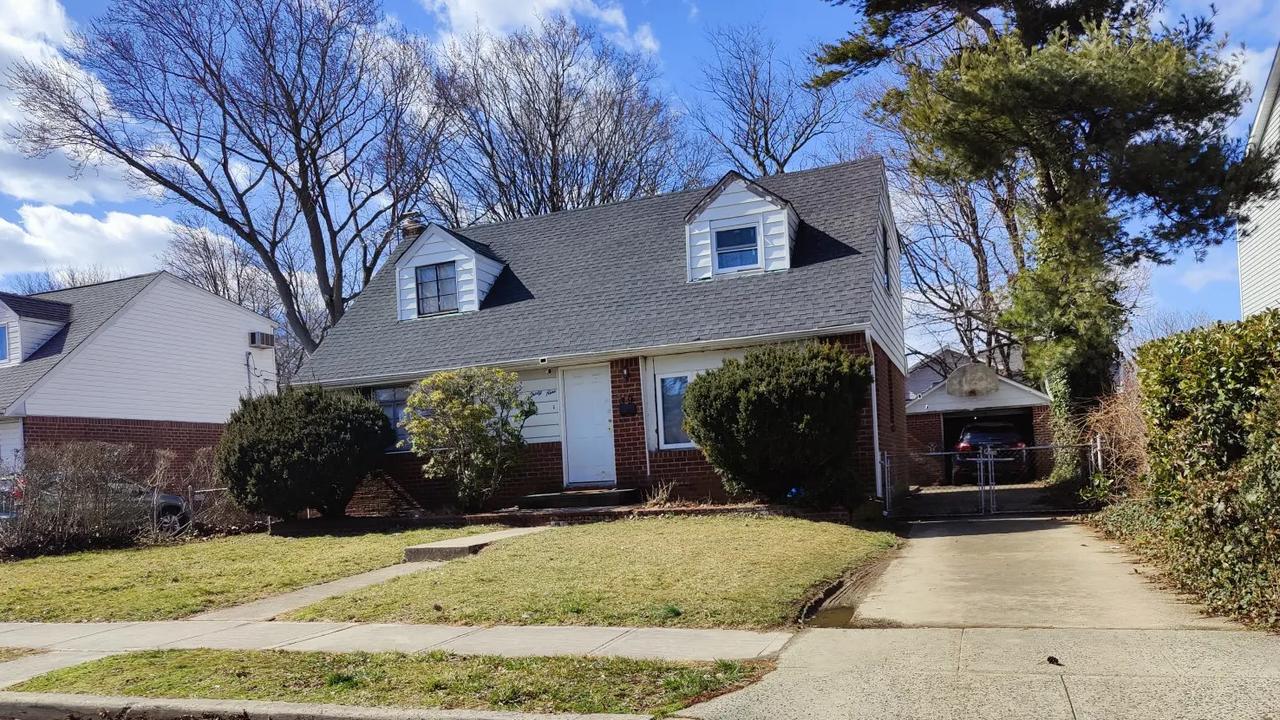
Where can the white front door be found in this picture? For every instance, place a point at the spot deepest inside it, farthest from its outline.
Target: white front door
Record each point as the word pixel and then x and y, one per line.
pixel 588 427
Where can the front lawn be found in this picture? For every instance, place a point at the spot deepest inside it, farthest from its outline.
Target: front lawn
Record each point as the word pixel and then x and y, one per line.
pixel 725 571
pixel 173 581
pixel 433 680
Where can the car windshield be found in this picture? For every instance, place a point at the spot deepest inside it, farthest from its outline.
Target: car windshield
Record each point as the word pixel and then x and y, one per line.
pixel 994 434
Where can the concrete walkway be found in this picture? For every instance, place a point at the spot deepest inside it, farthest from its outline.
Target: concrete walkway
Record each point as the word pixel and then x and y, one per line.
pixel 1011 619
pixel 506 640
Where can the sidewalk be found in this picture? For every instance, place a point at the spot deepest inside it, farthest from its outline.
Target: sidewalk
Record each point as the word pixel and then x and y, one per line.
pixel 505 640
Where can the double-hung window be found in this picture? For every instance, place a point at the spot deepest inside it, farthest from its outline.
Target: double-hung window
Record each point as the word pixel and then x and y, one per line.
pixel 4 343
pixel 393 401
pixel 437 288
pixel 736 249
pixel 671 389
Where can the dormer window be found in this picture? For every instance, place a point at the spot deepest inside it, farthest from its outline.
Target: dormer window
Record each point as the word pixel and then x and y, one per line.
pixel 737 249
pixel 4 343
pixel 437 288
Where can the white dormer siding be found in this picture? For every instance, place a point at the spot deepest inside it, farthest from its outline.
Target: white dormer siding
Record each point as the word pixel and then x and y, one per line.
pixel 738 206
pixel 475 273
pixel 23 336
pixel 35 333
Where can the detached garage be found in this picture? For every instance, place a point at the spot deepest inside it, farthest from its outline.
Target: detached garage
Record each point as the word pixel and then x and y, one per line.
pixel 976 394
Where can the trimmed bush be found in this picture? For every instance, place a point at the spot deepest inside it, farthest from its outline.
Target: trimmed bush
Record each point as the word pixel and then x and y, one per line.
pixel 1211 401
pixel 782 422
pixel 468 425
pixel 303 448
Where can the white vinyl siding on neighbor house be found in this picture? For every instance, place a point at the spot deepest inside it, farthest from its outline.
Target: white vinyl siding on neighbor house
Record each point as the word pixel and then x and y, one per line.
pixel 175 352
pixel 738 207
pixel 10 442
pixel 544 387
pixel 886 295
pixel 474 273
pixel 1259 251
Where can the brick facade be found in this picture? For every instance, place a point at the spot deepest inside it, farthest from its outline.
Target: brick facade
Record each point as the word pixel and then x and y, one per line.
pixel 403 490
pixel 183 439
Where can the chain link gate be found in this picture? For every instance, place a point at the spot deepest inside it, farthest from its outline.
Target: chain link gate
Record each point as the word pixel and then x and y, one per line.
pixel 988 480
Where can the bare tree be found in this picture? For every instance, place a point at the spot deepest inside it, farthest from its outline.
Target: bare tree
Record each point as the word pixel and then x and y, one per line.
pixel 304 128
pixel 552 118
pixel 61 278
pixel 761 111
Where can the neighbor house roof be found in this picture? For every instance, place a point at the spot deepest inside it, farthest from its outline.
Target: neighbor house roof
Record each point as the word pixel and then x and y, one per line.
pixel 89 307
pixel 613 278
pixel 27 306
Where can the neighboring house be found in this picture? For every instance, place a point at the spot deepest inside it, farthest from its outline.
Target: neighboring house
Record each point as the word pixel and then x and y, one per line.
pixel 1259 244
pixel 932 369
pixel 149 360
pixel 608 312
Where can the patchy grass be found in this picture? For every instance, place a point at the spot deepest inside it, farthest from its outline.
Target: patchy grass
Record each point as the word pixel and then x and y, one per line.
pixel 725 571
pixel 173 581
pixel 433 680
pixel 7 654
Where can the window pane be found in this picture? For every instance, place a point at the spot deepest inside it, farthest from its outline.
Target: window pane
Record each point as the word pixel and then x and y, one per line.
pixel 673 410
pixel 4 343
pixel 737 258
pixel 426 272
pixel 448 302
pixel 445 270
pixel 447 286
pixel 737 238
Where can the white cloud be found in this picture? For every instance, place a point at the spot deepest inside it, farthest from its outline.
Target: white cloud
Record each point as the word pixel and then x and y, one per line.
pixel 49 237
pixel 34 30
pixel 461 16
pixel 1214 270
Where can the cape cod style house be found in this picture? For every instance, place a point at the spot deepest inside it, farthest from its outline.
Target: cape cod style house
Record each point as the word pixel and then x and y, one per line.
pixel 608 312
pixel 151 361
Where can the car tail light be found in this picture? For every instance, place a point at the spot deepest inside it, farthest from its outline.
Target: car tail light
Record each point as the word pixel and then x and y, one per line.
pixel 962 446
pixel 1019 446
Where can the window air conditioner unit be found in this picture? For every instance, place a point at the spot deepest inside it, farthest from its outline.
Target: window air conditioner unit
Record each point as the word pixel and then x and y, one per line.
pixel 262 340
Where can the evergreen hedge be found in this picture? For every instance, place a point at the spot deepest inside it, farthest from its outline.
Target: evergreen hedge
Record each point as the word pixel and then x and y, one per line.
pixel 302 448
pixel 782 422
pixel 1211 400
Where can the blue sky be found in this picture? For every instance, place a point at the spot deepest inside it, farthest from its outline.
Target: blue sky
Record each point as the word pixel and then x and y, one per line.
pixel 48 219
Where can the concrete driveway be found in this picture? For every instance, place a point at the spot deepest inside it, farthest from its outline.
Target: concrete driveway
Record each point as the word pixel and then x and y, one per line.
pixel 1016 618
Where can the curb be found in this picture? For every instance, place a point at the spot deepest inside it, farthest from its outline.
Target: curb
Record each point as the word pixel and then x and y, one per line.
pixel 55 706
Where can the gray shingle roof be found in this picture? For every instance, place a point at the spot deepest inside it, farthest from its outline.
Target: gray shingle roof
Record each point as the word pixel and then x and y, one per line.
pixel 613 278
pixel 31 307
pixel 90 307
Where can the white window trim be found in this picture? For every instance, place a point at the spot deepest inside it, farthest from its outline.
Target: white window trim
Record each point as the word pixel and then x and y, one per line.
pixel 657 406
pixel 735 224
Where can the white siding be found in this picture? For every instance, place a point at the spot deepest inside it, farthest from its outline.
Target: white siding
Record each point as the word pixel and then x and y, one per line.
pixel 734 207
pixel 544 386
pixel 475 272
pixel 9 321
pixel 10 442
pixel 1260 251
pixel 886 304
pixel 173 353
pixel 36 333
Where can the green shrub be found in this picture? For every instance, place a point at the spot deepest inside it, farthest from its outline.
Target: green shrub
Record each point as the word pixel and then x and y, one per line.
pixel 1211 401
pixel 468 424
pixel 303 448
pixel 1197 388
pixel 782 422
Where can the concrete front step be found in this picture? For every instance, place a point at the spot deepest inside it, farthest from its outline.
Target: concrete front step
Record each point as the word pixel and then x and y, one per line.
pixel 587 498
pixel 463 546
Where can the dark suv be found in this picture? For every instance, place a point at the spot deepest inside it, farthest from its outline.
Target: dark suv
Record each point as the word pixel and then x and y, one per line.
pixel 1001 437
